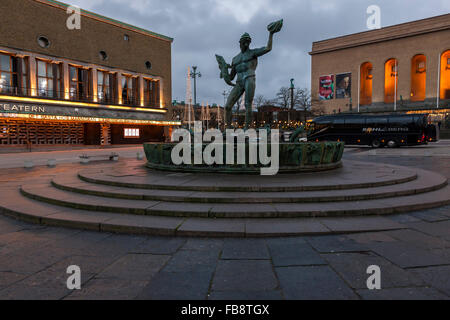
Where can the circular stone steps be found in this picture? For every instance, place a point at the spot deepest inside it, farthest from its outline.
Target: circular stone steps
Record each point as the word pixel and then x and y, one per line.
pixel 425 182
pixel 305 204
pixel 353 175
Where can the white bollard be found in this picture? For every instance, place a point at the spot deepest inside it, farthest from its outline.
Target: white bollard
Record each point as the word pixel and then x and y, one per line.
pixel 51 163
pixel 29 164
pixel 139 156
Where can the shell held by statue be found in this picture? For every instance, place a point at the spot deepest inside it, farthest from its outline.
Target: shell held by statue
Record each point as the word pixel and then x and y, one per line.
pixel 275 26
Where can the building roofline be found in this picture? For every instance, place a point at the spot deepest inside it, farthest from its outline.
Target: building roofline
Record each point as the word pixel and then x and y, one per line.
pixel 397 31
pixel 93 15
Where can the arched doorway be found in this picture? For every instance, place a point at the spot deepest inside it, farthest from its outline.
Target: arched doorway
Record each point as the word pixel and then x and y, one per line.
pixel 390 80
pixel 418 77
pixel 445 76
pixel 365 89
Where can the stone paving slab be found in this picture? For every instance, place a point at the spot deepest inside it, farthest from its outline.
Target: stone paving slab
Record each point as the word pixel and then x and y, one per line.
pixel 352 267
pixel 244 275
pixel 336 243
pixel 437 277
pixel 134 267
pixel 239 295
pixel 287 255
pixel 406 255
pixel 419 239
pixel 108 289
pixel 245 249
pixel 313 283
pixel 439 229
pixel 177 286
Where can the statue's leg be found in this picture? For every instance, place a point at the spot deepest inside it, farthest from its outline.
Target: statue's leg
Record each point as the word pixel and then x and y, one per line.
pixel 235 93
pixel 250 85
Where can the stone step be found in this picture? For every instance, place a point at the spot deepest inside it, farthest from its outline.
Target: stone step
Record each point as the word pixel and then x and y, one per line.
pixel 352 175
pixel 15 205
pixel 47 193
pixel 426 182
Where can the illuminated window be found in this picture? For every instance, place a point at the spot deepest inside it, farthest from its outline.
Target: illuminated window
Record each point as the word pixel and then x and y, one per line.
pixel 131 133
pixel 418 77
pixel 104 87
pixel 365 89
pixel 151 93
pixel 79 83
pixel 390 81
pixel 445 76
pixel 49 81
pixel 129 90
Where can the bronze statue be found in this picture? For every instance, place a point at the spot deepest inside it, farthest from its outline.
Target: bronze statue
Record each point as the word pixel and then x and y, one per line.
pixel 244 65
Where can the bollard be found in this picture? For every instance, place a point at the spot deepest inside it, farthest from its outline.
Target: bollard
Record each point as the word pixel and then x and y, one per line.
pixel 29 164
pixel 51 163
pixel 139 156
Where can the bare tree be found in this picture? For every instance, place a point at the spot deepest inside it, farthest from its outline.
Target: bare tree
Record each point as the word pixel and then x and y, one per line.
pixel 259 101
pixel 302 99
pixel 283 97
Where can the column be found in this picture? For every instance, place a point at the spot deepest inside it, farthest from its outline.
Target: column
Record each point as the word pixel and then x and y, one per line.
pixel 33 84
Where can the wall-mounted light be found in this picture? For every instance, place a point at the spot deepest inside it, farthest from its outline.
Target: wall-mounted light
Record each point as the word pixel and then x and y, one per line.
pixel 369 74
pixel 420 67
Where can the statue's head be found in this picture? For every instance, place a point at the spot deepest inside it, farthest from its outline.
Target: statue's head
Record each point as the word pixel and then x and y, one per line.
pixel 245 41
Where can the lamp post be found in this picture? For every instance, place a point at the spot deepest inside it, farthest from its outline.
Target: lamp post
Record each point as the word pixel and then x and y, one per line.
pixel 195 74
pixel 292 101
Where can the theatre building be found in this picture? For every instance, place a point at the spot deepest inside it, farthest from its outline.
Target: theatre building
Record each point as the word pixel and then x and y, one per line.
pixel 103 83
pixel 405 68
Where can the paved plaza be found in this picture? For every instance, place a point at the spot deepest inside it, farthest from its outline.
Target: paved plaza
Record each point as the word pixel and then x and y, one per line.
pixel 414 258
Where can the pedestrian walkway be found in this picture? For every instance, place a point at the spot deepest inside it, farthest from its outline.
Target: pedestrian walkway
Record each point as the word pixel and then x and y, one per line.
pixel 17 160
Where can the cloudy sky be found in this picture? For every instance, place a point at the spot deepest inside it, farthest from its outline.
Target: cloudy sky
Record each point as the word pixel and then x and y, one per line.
pixel 202 28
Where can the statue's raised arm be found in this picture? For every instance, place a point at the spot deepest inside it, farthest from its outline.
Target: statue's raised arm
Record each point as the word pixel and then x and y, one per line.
pixel 274 27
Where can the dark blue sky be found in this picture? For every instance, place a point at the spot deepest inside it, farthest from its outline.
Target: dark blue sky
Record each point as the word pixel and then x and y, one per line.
pixel 202 28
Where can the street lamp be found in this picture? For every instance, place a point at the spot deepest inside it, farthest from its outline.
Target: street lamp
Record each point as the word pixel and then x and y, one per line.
pixel 195 74
pixel 292 101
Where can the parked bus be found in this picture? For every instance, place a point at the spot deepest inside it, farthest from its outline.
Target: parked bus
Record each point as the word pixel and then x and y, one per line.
pixel 392 130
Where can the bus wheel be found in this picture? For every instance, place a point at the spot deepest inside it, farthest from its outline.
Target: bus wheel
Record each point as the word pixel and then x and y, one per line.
pixel 391 144
pixel 376 143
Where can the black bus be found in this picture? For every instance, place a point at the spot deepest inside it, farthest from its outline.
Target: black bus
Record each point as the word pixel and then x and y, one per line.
pixel 392 130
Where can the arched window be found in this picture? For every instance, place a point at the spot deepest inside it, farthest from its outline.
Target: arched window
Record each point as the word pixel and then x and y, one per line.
pixel 390 80
pixel 445 76
pixel 418 77
pixel 365 89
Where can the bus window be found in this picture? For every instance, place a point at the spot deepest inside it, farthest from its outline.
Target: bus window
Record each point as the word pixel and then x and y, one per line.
pixel 400 121
pixel 378 121
pixel 339 121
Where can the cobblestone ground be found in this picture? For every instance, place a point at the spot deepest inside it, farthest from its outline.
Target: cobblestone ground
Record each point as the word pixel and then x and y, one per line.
pixel 414 262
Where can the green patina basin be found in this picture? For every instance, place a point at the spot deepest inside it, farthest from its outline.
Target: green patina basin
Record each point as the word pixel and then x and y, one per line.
pixel 293 157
